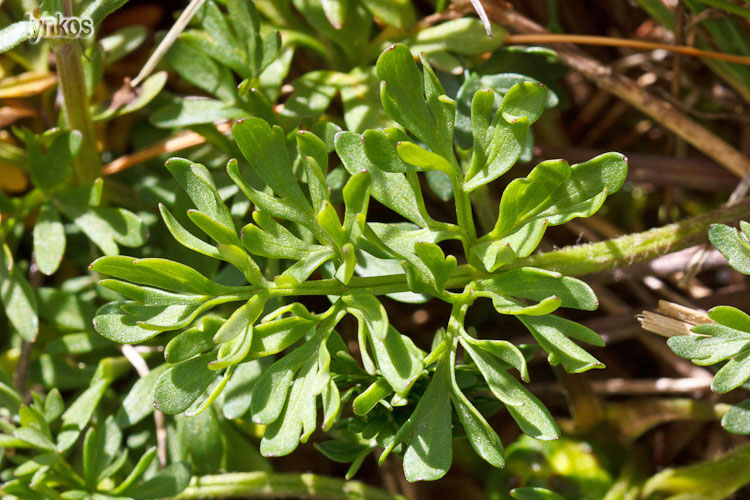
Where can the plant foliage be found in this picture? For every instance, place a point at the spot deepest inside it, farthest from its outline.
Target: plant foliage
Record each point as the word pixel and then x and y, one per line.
pixel 404 399
pixel 728 337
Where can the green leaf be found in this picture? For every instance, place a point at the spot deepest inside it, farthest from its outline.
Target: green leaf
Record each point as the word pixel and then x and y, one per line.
pixel 180 385
pixel 481 436
pixel 381 148
pixel 369 310
pixel 197 182
pixel 97 10
pixel 398 359
pixel 497 144
pixel 76 417
pixel 462 36
pixel 393 190
pixel 200 437
pixel 538 284
pixel 159 273
pixel 271 389
pixel 264 147
pixel 114 324
pixel 733 374
pixel 302 269
pixel 138 403
pixel 505 352
pixel 140 468
pixel 423 159
pixel 200 70
pixel 396 356
pixel 441 267
pixel 551 332
pixel 274 240
pixel 122 42
pixel 107 227
pixel 397 13
pixel 353 36
pixel 713 343
pixel 367 399
pixel 65 310
pixel 313 93
pixel 270 205
pixel 186 238
pixel 314 154
pixel 274 336
pixel 193 341
pixel 526 197
pixel 53 406
pixel 101 446
pixel 505 305
pixel 50 169
pixel 166 483
pixel 241 318
pixel 195 110
pixel 17 297
pixel 49 239
pixel 524 101
pixel 529 413
pixel 147 92
pixel 244 19
pixel 711 479
pixel 335 11
pixel 733 245
pixel 35 438
pixel 584 191
pixel 534 493
pixel 361 100
pixel 428 433
pixel 737 419
pixel 297 421
pixel 731 317
pixel 403 96
pixel 13 34
pixel 238 391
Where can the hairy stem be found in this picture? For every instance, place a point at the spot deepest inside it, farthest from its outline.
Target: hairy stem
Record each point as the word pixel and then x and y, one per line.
pixel 68 56
pixel 572 261
pixel 634 248
pixel 269 485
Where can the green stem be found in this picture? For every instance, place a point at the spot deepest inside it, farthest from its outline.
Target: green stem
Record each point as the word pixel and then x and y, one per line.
pixel 68 57
pixel 463 212
pixel 571 261
pixel 637 247
pixel 269 485
pixel 486 208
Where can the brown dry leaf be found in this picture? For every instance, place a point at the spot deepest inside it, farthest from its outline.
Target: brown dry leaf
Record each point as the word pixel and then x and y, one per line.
pixel 11 111
pixel 26 84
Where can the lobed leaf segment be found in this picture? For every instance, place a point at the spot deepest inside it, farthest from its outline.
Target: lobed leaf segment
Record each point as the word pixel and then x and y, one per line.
pixel 401 396
pixel 728 338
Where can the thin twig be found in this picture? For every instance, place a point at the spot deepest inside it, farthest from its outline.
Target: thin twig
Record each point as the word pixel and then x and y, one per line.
pixel 607 78
pixel 167 41
pixel 609 41
pixel 615 386
pixel 183 140
pixel 650 386
pixel 477 4
pixel 135 358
